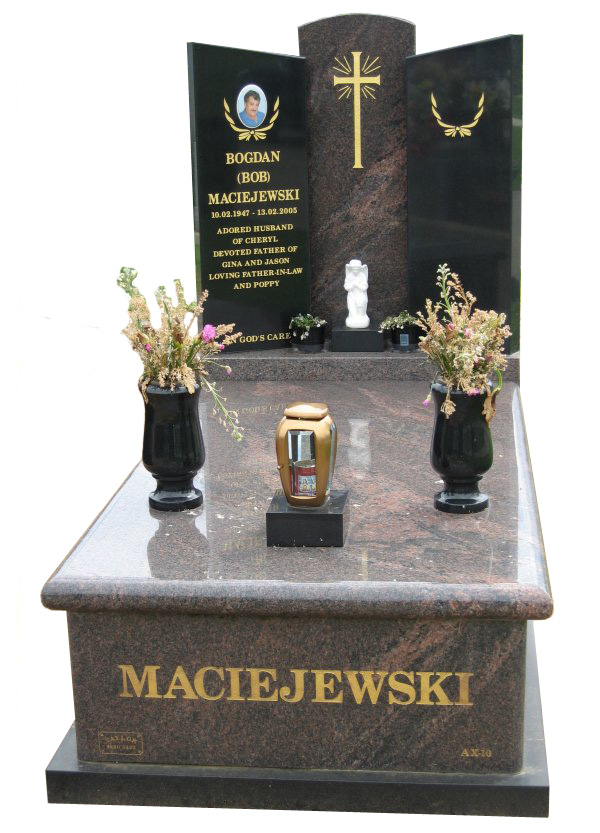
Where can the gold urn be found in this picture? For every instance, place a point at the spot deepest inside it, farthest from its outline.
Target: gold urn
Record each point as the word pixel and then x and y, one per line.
pixel 306 445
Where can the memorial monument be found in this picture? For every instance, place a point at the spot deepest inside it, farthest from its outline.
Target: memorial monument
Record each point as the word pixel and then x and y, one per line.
pixel 394 671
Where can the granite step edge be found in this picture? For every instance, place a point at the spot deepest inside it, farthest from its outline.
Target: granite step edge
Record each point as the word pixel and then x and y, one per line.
pixel 271 365
pixel 381 600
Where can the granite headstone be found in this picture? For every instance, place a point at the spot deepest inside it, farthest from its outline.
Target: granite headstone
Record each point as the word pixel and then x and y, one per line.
pixel 357 157
pixel 248 127
pixel 464 172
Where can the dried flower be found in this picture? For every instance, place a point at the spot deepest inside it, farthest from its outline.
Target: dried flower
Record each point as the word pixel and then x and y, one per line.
pixel 208 333
pixel 465 344
pixel 171 355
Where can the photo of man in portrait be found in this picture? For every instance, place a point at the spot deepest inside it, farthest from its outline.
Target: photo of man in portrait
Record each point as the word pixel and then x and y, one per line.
pixel 251 115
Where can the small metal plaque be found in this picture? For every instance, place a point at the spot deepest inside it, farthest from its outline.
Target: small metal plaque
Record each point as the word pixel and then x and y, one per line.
pixel 121 743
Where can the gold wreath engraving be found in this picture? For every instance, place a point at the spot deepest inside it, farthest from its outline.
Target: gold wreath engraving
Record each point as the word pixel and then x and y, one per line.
pixel 258 132
pixel 451 129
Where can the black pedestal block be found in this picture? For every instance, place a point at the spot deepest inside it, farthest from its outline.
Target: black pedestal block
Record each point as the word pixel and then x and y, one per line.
pixel 524 793
pixel 347 340
pixel 322 526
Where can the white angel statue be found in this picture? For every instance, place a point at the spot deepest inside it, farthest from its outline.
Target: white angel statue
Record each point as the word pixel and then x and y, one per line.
pixel 356 285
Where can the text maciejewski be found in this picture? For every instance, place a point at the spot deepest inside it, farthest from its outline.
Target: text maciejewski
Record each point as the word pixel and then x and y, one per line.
pixel 269 685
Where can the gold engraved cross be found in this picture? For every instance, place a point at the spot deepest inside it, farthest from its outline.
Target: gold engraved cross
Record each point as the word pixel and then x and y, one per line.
pixel 355 84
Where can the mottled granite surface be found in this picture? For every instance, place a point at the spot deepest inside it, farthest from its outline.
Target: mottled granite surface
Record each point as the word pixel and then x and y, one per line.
pixel 357 212
pixel 184 715
pixel 401 557
pixel 284 364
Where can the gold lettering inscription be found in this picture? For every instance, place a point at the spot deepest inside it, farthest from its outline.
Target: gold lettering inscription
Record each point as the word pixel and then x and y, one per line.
pixel 407 689
pixel 252 157
pixel 268 685
pixel 180 682
pixel 463 688
pixel 239 197
pixel 200 686
pixel 368 685
pixel 234 684
pixel 324 687
pixel 285 691
pixel 148 676
pixel 260 682
pixel 428 688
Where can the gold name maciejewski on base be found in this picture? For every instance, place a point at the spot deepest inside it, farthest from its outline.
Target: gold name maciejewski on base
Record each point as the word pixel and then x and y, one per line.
pixel 402 688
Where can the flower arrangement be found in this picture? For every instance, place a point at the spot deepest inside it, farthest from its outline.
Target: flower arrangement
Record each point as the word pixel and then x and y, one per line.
pixel 304 323
pixel 465 344
pixel 172 355
pixel 397 322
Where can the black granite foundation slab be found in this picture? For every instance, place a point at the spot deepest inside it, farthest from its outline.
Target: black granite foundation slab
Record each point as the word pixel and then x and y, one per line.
pixel 350 340
pixel 525 793
pixel 321 526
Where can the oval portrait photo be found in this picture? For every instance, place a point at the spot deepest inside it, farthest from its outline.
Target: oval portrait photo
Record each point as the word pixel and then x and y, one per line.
pixel 251 106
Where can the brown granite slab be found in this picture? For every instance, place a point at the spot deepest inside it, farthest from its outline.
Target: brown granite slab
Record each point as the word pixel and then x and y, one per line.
pixel 401 559
pixel 414 718
pixel 285 364
pixel 357 212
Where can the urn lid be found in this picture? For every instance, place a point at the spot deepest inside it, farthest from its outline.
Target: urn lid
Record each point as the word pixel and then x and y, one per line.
pixel 306 410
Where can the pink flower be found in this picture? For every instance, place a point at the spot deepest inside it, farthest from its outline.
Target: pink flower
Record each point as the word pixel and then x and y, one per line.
pixel 221 346
pixel 450 327
pixel 228 371
pixel 468 332
pixel 208 333
pixel 473 392
pixel 148 348
pixel 426 402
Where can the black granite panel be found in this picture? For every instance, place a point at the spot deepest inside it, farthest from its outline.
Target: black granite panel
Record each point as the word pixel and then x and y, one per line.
pixel 357 199
pixel 321 526
pixel 524 793
pixel 349 340
pixel 464 186
pixel 250 190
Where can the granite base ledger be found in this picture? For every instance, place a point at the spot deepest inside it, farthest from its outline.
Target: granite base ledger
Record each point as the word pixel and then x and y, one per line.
pixel 525 793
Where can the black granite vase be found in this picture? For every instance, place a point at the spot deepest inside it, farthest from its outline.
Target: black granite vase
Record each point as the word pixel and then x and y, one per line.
pixel 406 339
pixel 314 341
pixel 461 451
pixel 173 449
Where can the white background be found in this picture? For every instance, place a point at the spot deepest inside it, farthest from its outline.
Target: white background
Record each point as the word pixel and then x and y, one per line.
pixel 101 163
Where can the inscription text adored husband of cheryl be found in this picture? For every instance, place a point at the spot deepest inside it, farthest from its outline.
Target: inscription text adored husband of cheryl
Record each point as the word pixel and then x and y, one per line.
pixel 250 189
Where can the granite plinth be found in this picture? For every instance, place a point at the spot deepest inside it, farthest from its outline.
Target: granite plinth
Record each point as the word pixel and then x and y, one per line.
pixel 525 793
pixel 357 156
pixel 194 643
pixel 322 526
pixel 349 340
pixel 391 365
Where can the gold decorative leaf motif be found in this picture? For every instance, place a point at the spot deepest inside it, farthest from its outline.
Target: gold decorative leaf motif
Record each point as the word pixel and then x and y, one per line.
pixel 462 129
